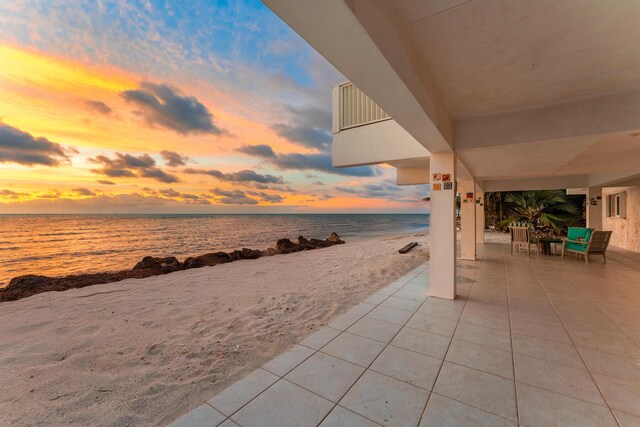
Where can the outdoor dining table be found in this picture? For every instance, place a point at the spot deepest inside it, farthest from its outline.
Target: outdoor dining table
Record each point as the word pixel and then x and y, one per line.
pixel 545 245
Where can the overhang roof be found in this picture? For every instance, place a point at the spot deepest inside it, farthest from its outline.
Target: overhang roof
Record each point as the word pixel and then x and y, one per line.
pixel 521 90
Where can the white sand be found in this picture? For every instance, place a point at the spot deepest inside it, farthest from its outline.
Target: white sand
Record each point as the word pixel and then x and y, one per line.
pixel 142 352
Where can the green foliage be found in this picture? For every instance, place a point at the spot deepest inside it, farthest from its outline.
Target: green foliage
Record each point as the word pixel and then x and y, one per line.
pixel 551 209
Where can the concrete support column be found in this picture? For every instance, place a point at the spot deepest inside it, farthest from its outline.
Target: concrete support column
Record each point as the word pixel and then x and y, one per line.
pixel 443 226
pixel 467 220
pixel 480 221
pixel 595 207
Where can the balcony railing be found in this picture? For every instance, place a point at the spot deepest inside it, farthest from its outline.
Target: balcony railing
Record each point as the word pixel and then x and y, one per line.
pixel 355 108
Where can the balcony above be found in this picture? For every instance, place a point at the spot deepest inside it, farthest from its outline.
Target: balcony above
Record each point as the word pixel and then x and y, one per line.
pixel 354 108
pixel 364 134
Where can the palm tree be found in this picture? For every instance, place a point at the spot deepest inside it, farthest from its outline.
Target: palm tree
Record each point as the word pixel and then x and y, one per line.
pixel 542 208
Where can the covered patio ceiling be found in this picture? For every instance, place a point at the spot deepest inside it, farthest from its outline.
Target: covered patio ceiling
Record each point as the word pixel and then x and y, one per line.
pixel 530 95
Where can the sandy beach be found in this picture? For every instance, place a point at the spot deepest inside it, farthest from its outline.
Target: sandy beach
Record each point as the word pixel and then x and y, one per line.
pixel 144 351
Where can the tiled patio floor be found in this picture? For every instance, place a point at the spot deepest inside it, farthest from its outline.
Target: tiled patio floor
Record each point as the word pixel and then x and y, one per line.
pixel 534 342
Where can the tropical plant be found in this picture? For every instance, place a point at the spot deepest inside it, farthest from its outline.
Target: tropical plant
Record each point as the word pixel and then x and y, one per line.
pixel 541 208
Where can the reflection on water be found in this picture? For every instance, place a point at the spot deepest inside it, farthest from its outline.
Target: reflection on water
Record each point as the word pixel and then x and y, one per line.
pixel 69 244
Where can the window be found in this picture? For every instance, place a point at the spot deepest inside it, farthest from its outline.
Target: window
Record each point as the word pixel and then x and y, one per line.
pixel 616 205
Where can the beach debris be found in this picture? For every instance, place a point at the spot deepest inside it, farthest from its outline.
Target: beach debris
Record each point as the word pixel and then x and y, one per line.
pixel 408 247
pixel 31 284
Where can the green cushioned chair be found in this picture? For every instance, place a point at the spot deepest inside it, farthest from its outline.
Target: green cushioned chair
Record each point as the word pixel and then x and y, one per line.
pixel 585 241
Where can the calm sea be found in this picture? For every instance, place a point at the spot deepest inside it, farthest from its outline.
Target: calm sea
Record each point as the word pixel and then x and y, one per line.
pixel 55 245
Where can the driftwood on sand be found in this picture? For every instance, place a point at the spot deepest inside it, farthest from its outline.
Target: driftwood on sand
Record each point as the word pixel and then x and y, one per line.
pixel 30 284
pixel 407 248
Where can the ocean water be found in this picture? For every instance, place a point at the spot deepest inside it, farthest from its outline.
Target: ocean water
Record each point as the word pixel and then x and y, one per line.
pixel 56 245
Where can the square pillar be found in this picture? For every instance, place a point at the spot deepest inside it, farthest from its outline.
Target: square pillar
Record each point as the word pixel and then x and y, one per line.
pixel 467 220
pixel 480 221
pixel 443 226
pixel 594 207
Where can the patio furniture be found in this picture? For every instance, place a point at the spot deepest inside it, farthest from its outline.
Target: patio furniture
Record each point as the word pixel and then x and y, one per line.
pixel 544 245
pixel 593 242
pixel 520 238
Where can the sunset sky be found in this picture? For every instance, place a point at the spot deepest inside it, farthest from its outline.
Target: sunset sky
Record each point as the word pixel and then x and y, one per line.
pixel 171 107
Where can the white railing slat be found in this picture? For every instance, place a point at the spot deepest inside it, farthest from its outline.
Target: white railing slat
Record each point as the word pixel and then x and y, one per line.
pixel 356 108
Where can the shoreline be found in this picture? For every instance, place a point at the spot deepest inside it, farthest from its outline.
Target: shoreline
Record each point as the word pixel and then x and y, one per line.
pixel 31 284
pixel 156 346
pixel 77 244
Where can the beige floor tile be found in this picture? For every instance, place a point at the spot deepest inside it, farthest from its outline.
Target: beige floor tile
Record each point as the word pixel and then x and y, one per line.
pixel 354 349
pixel 385 400
pixel 361 309
pixel 376 299
pixel 284 405
pixel 485 391
pixel 627 420
pixel 612 365
pixel 553 351
pixel 436 325
pixel 486 319
pixel 326 375
pixel 374 329
pixel 390 315
pixel 444 412
pixel 481 357
pixel 483 335
pixel 237 395
pixel 621 394
pixel 458 302
pixel 202 416
pixel 341 417
pixel 320 338
pixel 538 329
pixel 607 344
pixel 288 360
pixel 405 365
pixel 417 286
pixel 451 312
pixel 344 321
pixel 561 379
pixel 387 290
pixel 418 296
pixel 399 283
pixel 543 408
pixel 423 342
pixel 401 304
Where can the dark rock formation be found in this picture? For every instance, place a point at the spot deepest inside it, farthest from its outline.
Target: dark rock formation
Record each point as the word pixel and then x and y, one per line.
pixel 335 239
pixel 286 246
pixel 320 243
pixel 270 252
pixel 306 244
pixel 245 253
pixel 149 262
pixel 237 255
pixel 207 260
pixel 25 286
pixel 252 253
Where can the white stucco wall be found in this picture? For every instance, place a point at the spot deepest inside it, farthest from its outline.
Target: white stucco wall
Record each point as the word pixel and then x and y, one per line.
pixel 626 231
